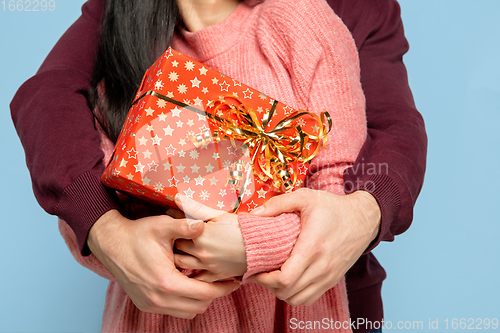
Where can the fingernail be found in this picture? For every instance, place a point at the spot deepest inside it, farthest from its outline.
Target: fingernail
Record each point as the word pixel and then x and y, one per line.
pixel 194 224
pixel 258 210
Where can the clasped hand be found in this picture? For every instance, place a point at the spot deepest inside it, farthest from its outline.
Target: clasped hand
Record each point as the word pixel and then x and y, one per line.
pixel 336 230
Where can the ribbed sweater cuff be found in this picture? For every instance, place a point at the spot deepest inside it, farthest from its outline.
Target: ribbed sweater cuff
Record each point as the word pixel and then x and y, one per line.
pixel 83 203
pixel 268 241
pixel 385 191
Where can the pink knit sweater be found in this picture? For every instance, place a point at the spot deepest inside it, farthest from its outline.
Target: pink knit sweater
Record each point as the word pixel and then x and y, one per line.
pixel 299 52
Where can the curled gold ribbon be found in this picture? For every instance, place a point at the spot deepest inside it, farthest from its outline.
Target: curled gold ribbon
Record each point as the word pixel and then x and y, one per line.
pixel 276 151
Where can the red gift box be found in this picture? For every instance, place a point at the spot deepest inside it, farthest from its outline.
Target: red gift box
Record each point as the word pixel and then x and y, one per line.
pixel 195 131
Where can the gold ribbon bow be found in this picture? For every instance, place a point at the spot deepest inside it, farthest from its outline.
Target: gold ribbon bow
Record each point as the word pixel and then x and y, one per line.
pixel 276 151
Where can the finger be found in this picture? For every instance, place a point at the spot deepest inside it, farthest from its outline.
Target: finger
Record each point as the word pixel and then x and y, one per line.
pixel 183 286
pixel 186 246
pixel 175 213
pixel 207 276
pixel 188 262
pixel 285 203
pixel 196 210
pixel 187 229
pixel 308 295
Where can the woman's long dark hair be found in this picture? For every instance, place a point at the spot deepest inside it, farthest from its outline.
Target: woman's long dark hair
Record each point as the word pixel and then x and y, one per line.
pixel 134 33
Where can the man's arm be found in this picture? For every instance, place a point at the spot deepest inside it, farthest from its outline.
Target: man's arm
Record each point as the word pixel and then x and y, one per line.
pixel 391 164
pixel 56 128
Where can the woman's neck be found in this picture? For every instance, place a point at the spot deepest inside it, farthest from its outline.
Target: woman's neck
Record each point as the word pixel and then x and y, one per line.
pixel 199 14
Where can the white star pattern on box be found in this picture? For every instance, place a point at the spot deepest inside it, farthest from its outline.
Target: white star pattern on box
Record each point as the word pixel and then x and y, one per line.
pixel 194 168
pixel 189 193
pixel 149 111
pixel 203 71
pixel 174 63
pixel 156 140
pixel 162 116
pixel 173 76
pixel 198 101
pixel 248 93
pixel 215 81
pixel 139 167
pixel 303 169
pixel 123 163
pixel 180 168
pixel 168 130
pixel 186 179
pixel 150 128
pixel 215 156
pixel 182 153
pixel 158 187
pixel 262 193
pixel 146 181
pixel 159 73
pixel 182 89
pixel 132 153
pixel 224 86
pixel 222 192
pixel 220 204
pixel 142 141
pixel 236 83
pixel 209 167
pixel 153 166
pixel 179 123
pixel 195 83
pixel 182 142
pixel 173 181
pixel 251 205
pixel 315 128
pixel 204 195
pixel 158 85
pixel 190 122
pixel 213 181
pixel 189 65
pixel 170 150
pixel 194 154
pixel 161 103
pixel 176 112
pixel 168 53
pixel 204 90
pixel 170 94
pixel 199 180
pixel 130 176
pixel 167 166
pixel 287 110
pixel 116 172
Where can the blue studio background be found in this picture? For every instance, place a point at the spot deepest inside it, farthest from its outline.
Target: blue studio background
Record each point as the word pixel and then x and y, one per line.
pixel 446 266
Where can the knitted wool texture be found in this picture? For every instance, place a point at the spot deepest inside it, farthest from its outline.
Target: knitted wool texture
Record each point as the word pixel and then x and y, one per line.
pixel 299 52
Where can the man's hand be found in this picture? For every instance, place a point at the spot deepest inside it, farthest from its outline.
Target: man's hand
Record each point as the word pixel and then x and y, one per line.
pixel 336 230
pixel 139 255
pixel 219 250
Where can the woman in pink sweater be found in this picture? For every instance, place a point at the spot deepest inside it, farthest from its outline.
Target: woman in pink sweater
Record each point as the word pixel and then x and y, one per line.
pixel 298 52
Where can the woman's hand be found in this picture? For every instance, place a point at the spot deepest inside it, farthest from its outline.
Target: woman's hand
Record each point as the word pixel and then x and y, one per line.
pixel 140 256
pixel 336 230
pixel 219 250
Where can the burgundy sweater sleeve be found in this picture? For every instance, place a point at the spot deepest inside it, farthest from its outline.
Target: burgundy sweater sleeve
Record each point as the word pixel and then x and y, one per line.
pixel 56 128
pixel 391 164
